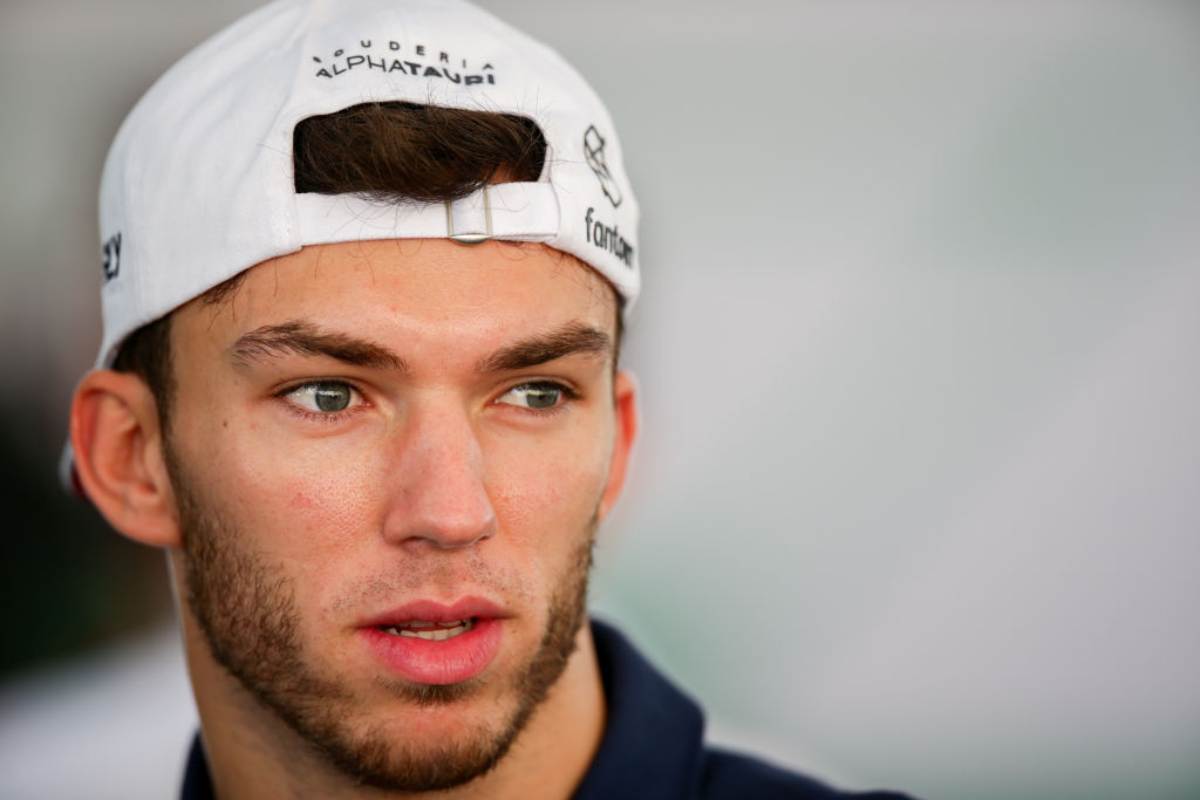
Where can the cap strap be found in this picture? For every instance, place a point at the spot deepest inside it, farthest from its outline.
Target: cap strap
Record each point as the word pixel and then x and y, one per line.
pixel 515 211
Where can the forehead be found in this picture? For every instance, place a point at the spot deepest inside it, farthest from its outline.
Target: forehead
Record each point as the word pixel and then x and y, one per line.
pixel 414 289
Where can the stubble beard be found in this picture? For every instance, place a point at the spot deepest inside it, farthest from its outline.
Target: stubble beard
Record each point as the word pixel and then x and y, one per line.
pixel 248 615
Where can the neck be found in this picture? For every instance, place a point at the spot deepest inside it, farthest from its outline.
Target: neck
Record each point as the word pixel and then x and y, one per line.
pixel 251 753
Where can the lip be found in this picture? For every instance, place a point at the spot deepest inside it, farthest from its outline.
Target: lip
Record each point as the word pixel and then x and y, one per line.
pixel 437 662
pixel 433 611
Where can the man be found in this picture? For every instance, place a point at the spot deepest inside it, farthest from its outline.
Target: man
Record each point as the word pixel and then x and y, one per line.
pixel 366 265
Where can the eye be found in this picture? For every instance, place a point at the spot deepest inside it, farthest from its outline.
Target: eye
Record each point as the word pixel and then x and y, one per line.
pixel 537 396
pixel 322 397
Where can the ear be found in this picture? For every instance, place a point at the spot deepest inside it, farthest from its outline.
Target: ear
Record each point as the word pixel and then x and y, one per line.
pixel 118 456
pixel 624 433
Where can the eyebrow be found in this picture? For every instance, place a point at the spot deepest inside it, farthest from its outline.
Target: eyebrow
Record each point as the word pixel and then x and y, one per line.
pixel 570 339
pixel 304 338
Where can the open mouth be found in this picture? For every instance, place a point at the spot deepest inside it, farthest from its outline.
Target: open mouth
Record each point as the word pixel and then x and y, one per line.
pixel 434 651
pixel 430 642
pixel 431 631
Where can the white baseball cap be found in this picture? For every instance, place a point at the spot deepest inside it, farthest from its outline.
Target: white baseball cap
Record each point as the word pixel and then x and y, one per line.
pixel 198 184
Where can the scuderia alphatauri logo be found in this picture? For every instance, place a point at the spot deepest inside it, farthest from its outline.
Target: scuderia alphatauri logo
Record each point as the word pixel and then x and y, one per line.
pixel 415 60
pixel 593 152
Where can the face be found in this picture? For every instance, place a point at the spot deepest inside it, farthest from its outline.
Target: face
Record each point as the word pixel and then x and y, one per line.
pixel 389 460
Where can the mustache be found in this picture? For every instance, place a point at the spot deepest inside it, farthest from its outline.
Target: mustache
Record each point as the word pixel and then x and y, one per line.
pixel 455 573
pixel 447 575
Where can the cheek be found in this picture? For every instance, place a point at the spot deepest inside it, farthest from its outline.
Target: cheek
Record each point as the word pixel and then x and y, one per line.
pixel 295 502
pixel 547 489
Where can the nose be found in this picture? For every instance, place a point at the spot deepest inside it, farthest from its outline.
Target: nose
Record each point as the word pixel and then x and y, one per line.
pixel 438 496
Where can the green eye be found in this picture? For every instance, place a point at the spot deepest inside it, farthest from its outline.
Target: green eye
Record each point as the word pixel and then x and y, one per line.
pixel 537 396
pixel 325 397
pixel 332 396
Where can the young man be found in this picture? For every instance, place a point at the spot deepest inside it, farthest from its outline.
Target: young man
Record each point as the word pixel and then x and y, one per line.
pixel 365 266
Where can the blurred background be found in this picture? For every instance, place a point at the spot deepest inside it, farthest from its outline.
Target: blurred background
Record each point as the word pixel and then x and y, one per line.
pixel 918 499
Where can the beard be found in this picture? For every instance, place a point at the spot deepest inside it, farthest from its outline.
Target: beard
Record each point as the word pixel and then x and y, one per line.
pixel 247 612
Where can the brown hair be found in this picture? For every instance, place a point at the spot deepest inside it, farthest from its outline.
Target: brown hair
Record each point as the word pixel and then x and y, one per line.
pixel 400 151
pixel 390 151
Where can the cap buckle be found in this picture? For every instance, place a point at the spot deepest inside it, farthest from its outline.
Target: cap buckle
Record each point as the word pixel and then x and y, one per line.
pixel 471 237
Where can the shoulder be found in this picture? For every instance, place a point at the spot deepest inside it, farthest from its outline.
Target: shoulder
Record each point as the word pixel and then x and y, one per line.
pixel 726 774
pixel 653 744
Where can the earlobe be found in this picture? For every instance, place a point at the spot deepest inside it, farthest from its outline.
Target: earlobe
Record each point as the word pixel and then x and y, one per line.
pixel 118 456
pixel 625 433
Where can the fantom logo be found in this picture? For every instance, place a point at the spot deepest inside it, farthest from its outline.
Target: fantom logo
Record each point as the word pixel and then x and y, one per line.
pixel 607 237
pixel 593 151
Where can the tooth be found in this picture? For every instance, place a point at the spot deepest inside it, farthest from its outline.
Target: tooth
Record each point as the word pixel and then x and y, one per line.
pixel 418 624
pixel 437 635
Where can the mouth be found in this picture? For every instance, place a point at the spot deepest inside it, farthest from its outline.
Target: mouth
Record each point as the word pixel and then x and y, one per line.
pixel 432 643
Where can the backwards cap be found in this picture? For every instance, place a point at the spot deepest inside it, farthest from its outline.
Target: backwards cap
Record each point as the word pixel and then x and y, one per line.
pixel 198 185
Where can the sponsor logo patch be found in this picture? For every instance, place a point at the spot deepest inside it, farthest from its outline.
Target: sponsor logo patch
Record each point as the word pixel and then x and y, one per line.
pixel 111 251
pixel 593 153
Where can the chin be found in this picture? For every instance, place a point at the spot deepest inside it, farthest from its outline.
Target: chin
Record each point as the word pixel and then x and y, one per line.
pixel 401 745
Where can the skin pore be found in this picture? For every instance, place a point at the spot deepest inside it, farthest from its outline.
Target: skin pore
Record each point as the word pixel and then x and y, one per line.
pixel 360 426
